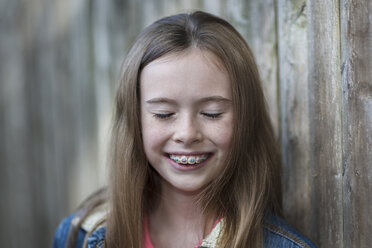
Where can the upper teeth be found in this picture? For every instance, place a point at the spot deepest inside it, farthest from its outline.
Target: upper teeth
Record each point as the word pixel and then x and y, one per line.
pixel 183 159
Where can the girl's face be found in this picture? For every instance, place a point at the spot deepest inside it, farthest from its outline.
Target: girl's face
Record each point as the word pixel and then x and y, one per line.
pixel 187 118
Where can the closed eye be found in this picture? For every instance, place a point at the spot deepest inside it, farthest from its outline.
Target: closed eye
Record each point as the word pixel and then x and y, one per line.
pixel 212 115
pixel 163 116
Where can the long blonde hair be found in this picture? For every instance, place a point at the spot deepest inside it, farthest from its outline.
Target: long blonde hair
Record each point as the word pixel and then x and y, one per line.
pixel 250 183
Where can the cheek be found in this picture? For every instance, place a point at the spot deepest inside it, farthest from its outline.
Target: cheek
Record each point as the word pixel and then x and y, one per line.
pixel 153 136
pixel 223 134
pixel 152 146
pixel 224 139
pixel 151 141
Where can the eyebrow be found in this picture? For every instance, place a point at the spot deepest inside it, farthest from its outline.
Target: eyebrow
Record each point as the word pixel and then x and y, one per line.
pixel 161 100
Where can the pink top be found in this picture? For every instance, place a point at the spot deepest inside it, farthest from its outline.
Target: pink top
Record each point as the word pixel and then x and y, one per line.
pixel 147 241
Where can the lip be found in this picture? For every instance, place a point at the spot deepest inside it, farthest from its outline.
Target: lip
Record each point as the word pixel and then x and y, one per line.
pixel 188 153
pixel 183 167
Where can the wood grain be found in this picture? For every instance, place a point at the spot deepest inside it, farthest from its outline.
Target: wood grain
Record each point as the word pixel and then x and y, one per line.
pixel 325 122
pixel 256 21
pixel 356 48
pixel 294 110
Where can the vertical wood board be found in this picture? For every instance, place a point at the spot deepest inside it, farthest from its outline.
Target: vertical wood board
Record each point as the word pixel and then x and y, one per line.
pixel 294 106
pixel 356 48
pixel 256 21
pixel 325 122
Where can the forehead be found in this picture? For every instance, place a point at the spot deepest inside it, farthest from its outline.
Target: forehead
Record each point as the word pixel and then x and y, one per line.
pixel 193 53
pixel 193 70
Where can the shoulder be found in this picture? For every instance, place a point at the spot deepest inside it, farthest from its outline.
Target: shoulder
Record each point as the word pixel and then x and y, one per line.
pixel 65 231
pixel 278 233
pixel 97 238
pixel 71 226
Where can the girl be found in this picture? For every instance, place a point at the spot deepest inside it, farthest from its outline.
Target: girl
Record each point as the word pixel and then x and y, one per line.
pixel 194 158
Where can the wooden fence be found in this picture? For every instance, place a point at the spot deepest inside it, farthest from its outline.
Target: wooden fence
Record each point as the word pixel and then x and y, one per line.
pixel 59 62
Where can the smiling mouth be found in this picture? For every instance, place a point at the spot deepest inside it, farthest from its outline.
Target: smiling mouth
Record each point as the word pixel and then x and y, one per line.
pixel 188 160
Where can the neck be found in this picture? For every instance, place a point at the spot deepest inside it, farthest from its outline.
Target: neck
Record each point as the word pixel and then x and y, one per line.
pixel 178 212
pixel 177 206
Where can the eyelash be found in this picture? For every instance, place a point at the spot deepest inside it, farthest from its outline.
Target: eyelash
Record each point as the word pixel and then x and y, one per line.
pixel 212 116
pixel 168 115
pixel 163 116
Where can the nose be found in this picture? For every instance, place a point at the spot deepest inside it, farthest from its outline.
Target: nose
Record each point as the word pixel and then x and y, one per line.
pixel 187 131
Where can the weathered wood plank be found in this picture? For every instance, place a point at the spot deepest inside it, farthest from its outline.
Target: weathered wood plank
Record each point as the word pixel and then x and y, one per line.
pixel 256 21
pixel 14 181
pixel 325 122
pixel 356 48
pixel 262 37
pixel 47 118
pixel 294 107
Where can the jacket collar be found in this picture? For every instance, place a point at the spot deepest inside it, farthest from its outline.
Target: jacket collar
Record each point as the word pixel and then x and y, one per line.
pixel 97 238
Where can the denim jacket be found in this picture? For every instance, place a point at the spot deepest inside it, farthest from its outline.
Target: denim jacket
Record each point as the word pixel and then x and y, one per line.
pixel 277 233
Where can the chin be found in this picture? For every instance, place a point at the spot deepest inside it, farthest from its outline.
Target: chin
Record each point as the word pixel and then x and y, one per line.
pixel 189 188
